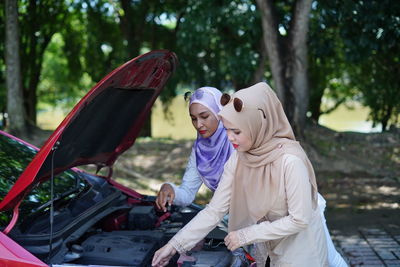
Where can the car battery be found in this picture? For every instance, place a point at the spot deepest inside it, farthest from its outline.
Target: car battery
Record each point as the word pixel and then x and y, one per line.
pixel 142 218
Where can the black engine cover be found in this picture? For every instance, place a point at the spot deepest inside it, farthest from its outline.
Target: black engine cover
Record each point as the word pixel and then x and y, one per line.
pixel 123 248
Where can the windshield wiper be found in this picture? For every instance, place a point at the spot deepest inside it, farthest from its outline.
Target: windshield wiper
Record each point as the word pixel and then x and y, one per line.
pixel 55 200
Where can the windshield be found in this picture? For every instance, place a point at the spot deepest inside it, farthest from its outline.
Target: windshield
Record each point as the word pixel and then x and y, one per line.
pixel 14 158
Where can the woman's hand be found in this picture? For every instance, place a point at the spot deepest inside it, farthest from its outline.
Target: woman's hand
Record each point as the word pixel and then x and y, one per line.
pixel 232 241
pixel 164 196
pixel 163 255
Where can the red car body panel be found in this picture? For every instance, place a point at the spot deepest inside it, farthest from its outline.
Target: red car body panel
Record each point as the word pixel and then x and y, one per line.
pixel 13 255
pixel 147 72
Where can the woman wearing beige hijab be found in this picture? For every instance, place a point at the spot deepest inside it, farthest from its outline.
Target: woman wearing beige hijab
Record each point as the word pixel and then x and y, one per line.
pixel 268 187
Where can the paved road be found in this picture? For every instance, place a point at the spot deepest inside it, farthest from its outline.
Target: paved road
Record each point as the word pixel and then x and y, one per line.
pixel 370 247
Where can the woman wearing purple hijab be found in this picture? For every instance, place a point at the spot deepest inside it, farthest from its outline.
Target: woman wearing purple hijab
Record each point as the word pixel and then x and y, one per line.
pixel 210 151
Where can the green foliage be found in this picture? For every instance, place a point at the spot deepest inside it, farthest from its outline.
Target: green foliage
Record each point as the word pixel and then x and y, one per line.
pixel 74 41
pixel 353 47
pixel 327 65
pixel 371 45
pixel 218 43
pixel 61 85
pixel 63 79
pixel 150 25
pixel 39 20
pixel 378 80
pixel 105 47
pixel 354 53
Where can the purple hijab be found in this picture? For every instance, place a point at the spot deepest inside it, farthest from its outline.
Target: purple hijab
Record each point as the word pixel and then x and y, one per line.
pixel 214 151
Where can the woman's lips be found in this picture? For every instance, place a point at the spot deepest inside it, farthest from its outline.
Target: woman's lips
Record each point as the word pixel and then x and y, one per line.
pixel 235 145
pixel 202 132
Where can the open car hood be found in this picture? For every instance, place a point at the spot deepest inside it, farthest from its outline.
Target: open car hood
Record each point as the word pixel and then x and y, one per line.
pixel 102 125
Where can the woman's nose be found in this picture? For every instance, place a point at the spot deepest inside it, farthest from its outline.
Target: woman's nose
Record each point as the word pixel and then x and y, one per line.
pixel 199 124
pixel 230 136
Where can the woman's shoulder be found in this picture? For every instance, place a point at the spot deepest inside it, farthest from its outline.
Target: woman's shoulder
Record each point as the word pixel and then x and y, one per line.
pixel 288 157
pixel 291 160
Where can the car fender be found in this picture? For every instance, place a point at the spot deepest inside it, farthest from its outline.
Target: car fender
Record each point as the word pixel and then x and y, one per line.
pixel 13 255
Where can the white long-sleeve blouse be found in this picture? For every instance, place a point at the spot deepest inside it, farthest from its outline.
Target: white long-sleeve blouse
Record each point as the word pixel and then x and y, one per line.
pixel 293 232
pixel 191 182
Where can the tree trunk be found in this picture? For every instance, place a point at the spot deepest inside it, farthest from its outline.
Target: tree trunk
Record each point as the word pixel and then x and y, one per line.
pixel 15 107
pixel 385 120
pixel 288 59
pixel 271 42
pixel 30 95
pixel 315 103
pixel 258 75
pixel 300 63
pixel 32 64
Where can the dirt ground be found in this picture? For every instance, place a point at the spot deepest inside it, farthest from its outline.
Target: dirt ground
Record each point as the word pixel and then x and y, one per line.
pixel 359 176
pixel 357 173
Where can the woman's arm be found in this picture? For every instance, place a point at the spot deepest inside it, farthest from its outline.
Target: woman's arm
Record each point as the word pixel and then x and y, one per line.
pixel 184 194
pixel 191 182
pixel 298 193
pixel 211 215
pixel 204 221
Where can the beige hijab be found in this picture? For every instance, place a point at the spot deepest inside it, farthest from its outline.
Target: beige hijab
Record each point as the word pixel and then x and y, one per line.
pixel 258 172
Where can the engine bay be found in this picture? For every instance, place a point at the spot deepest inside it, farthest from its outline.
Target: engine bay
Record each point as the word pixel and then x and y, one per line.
pixel 106 227
pixel 143 234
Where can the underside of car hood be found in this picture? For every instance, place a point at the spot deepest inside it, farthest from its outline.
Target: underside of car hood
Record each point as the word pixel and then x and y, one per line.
pixel 102 125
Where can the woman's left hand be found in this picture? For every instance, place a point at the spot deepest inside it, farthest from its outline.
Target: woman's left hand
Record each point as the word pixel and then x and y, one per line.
pixel 232 241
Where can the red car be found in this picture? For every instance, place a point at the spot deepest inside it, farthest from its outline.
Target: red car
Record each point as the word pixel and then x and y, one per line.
pixel 54 214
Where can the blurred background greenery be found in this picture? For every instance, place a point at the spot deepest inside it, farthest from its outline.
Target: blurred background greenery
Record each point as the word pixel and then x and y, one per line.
pixel 165 125
pixel 352 52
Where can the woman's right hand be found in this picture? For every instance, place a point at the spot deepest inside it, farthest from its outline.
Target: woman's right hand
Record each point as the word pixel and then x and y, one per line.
pixel 163 255
pixel 164 196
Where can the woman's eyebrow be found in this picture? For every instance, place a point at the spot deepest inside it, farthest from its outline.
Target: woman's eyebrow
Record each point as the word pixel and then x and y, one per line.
pixel 201 113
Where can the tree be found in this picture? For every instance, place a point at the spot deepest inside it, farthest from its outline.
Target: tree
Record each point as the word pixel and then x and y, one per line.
pixel 15 108
pixel 142 26
pixel 285 38
pixel 354 54
pixel 62 82
pixel 103 42
pixel 370 32
pixel 219 44
pixel 39 21
pixel 376 79
pixel 327 65
pixel 120 30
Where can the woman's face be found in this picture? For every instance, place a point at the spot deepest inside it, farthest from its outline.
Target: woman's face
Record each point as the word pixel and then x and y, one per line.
pixel 239 140
pixel 203 120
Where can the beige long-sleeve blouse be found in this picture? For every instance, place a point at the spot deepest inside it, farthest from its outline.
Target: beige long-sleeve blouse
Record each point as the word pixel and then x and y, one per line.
pixel 292 233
